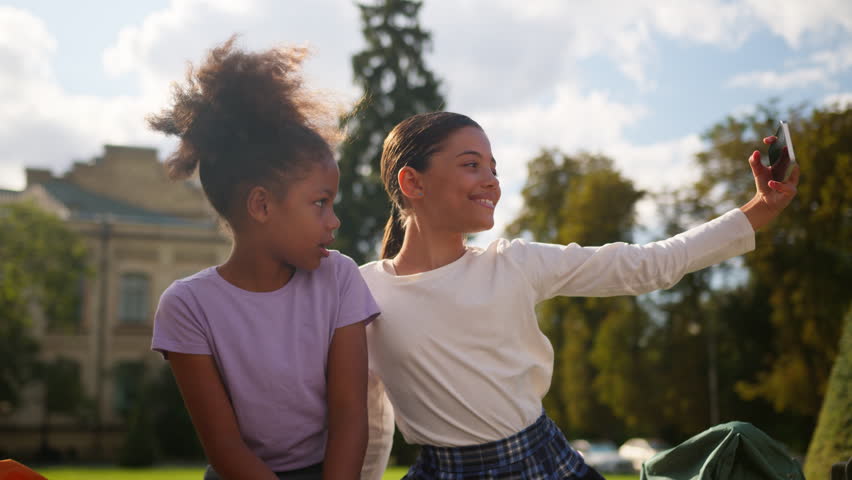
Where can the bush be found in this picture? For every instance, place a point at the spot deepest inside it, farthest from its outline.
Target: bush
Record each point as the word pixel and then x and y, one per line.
pixel 139 449
pixel 832 440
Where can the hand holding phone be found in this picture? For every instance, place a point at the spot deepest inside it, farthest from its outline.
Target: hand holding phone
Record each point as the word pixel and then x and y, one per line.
pixel 781 157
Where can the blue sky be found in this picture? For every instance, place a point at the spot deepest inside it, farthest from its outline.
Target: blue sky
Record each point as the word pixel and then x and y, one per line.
pixel 639 81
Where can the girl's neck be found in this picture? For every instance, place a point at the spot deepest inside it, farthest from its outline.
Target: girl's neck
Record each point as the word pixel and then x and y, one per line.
pixel 249 270
pixel 425 249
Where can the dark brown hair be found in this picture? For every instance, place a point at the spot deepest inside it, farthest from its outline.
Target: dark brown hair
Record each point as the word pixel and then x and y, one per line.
pixel 410 144
pixel 244 119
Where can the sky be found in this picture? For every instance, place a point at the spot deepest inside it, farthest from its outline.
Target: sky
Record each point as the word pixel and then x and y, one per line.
pixel 638 81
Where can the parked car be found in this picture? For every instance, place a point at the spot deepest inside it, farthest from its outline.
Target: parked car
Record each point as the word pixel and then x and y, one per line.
pixel 637 450
pixel 602 456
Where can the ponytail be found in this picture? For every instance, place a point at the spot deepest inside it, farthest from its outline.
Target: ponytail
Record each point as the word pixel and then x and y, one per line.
pixel 394 234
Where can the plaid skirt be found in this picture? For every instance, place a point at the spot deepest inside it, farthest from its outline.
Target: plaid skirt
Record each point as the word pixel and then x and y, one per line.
pixel 538 452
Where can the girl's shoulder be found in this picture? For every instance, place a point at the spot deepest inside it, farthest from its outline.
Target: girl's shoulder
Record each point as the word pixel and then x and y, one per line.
pixel 373 267
pixel 507 247
pixel 337 268
pixel 499 250
pixel 182 287
pixel 338 263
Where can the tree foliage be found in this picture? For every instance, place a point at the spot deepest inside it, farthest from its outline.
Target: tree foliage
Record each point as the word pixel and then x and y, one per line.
pixel 773 318
pixel 598 365
pixel 396 84
pixel 42 263
pixel 753 339
pixel 832 440
pixel 802 264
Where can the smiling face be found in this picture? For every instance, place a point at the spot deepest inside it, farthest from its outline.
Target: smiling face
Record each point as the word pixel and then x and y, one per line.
pixel 301 224
pixel 460 187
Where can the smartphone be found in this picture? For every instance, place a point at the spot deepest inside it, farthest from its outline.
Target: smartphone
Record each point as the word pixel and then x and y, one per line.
pixel 782 157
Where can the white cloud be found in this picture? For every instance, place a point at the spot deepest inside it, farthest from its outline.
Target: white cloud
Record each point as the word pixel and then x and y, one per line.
pixel 793 20
pixel 780 81
pixel 837 100
pixel 835 60
pixel 12 176
pixel 157 50
pixel 513 66
pixel 519 49
pixel 25 48
pixel 819 68
pixel 45 126
pixel 572 119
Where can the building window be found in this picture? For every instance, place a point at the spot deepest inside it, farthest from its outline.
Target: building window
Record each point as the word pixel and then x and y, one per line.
pixel 135 290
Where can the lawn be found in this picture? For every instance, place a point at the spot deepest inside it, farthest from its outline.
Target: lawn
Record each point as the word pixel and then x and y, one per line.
pixel 184 473
pixel 395 473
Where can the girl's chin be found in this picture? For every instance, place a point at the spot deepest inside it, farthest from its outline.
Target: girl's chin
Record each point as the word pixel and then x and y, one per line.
pixel 480 228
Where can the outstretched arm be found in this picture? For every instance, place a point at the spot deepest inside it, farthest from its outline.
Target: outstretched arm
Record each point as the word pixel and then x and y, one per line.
pixel 347 404
pixel 623 269
pixel 771 196
pixel 214 419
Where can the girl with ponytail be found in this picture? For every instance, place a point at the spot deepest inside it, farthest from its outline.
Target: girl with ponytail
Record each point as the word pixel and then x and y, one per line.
pixel 457 348
pixel 268 348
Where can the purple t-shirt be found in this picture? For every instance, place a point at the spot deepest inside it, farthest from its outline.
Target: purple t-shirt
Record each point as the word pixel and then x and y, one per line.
pixel 271 349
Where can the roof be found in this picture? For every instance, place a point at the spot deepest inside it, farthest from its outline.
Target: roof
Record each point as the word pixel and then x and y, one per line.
pixel 85 205
pixel 8 195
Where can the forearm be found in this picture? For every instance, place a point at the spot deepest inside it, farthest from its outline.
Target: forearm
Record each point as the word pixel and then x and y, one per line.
pixel 346 445
pixel 381 427
pixel 234 461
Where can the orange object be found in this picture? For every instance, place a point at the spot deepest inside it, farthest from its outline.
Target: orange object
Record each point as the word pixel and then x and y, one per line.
pixel 12 470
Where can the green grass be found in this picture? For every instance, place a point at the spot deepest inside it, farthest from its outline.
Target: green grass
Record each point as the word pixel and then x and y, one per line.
pixel 183 473
pixel 105 473
pixel 395 473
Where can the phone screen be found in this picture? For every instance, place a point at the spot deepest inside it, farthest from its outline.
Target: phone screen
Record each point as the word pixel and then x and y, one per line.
pixel 781 156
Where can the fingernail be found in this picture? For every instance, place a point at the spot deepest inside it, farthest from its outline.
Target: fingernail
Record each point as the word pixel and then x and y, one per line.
pixel 756 154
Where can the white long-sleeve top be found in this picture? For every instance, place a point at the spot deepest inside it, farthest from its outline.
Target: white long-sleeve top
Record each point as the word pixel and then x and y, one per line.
pixel 459 350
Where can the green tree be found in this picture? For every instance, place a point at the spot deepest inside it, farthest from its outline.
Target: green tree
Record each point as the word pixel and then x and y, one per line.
pixel 175 436
pixel 396 85
pixel 596 383
pixel 770 320
pixel 803 262
pixel 832 441
pixel 156 430
pixel 139 448
pixel 42 263
pixel 690 339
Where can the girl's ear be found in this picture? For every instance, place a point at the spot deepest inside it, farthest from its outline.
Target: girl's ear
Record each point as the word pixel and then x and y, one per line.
pixel 410 183
pixel 258 204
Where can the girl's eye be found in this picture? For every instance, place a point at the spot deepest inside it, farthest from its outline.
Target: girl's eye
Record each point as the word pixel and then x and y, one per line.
pixel 321 203
pixel 471 164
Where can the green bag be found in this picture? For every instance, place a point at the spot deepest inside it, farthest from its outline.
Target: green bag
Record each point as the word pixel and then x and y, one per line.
pixel 730 451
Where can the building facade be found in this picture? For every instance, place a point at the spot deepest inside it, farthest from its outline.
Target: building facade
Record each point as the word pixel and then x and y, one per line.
pixel 142 232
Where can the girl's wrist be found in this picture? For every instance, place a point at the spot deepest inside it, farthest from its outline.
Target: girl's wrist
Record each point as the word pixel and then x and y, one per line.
pixel 759 214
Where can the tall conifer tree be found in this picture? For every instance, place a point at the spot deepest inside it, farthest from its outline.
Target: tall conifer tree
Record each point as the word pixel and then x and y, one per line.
pixel 396 84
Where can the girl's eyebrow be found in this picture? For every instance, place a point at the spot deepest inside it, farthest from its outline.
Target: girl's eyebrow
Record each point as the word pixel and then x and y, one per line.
pixel 474 152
